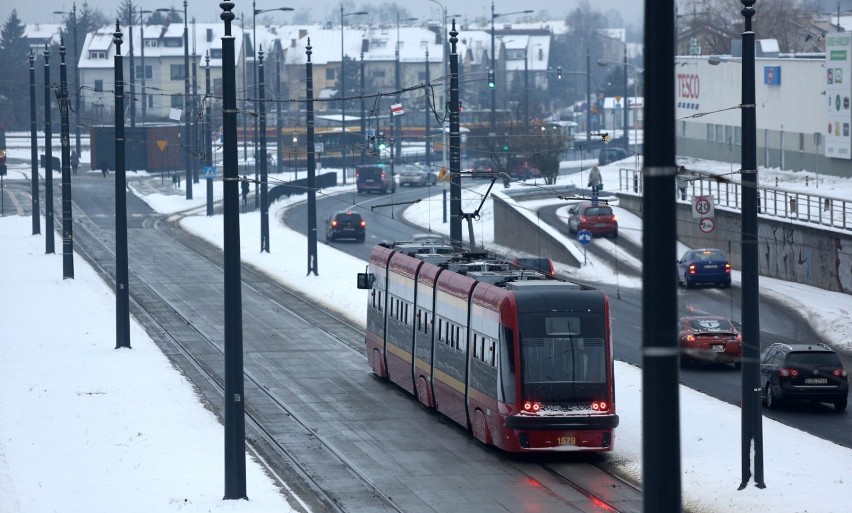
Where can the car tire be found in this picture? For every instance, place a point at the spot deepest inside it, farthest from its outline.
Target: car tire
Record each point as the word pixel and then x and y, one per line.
pixel 615 234
pixel 737 365
pixel 771 401
pixel 840 404
pixel 687 283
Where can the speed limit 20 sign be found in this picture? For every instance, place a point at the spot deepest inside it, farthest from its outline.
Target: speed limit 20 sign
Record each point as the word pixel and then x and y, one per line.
pixel 702 207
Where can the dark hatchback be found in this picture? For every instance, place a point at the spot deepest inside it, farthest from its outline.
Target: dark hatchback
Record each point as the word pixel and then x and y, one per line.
pixel 802 372
pixel 704 266
pixel 345 224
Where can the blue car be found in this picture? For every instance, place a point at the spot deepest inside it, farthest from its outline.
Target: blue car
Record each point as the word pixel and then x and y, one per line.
pixel 704 266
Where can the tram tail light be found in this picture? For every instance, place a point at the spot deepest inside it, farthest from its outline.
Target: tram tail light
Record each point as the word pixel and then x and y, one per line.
pixel 600 406
pixel 532 407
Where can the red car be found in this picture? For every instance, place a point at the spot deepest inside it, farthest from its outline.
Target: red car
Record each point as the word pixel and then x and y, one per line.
pixel 710 339
pixel 595 216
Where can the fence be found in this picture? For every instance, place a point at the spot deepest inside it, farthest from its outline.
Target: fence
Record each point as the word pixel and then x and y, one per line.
pixel 773 202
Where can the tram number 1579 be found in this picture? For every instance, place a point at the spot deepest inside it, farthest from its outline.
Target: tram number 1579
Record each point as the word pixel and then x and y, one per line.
pixel 566 440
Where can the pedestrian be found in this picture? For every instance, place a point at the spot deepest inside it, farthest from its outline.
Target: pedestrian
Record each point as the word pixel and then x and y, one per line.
pixel 595 181
pixel 244 187
pixel 682 182
pixel 104 167
pixel 75 161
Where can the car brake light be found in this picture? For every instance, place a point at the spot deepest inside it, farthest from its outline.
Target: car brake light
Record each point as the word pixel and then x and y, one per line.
pixel 788 373
pixel 727 268
pixel 739 337
pixel 334 223
pixel 614 218
pixel 839 372
pixel 532 406
pixel 584 219
pixel 363 224
pixel 691 268
pixel 690 338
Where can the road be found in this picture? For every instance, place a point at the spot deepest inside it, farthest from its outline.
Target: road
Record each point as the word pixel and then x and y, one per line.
pixel 778 323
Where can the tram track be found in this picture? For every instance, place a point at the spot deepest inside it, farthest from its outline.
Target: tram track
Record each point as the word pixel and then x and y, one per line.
pixel 200 368
pixel 187 344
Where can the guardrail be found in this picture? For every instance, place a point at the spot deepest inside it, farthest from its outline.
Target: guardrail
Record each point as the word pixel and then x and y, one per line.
pixel 774 202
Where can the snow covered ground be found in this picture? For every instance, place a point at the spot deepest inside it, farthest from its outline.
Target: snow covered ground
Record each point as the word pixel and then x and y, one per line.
pixel 85 427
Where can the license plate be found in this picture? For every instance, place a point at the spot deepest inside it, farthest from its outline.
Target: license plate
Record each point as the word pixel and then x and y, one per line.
pixel 600 225
pixel 369 180
pixel 717 348
pixel 816 381
pixel 711 266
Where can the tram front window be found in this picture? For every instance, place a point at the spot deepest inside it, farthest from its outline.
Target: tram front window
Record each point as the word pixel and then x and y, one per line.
pixel 563 357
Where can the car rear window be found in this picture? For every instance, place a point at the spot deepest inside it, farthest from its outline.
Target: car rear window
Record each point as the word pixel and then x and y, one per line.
pixel 711 325
pixel 348 216
pixel 599 211
pixel 813 359
pixel 369 172
pixel 710 254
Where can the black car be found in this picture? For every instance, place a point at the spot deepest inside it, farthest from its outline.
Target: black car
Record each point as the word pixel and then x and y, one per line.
pixel 802 372
pixel 345 224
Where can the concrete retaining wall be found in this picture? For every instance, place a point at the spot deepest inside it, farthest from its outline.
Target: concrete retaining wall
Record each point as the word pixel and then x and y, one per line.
pixel 788 250
pixel 514 230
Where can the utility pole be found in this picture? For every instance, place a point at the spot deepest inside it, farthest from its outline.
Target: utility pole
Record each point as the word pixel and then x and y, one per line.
pixel 312 172
pixel 752 428
pixel 264 190
pixel 48 160
pixel 65 140
pixel 235 428
pixel 34 191
pixel 208 134
pixel 661 473
pixel 455 144
pixel 122 290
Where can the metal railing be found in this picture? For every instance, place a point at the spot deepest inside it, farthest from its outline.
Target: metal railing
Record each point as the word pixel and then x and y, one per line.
pixel 772 201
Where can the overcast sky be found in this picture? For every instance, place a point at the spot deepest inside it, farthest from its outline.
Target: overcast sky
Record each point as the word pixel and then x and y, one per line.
pixel 36 11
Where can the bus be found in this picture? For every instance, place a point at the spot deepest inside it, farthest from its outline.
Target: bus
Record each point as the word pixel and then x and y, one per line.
pixel 522 361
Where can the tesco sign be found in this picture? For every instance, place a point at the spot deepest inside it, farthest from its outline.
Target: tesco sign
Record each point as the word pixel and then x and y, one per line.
pixel 688 85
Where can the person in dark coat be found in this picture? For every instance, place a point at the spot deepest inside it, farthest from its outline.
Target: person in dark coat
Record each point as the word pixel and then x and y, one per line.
pixel 244 187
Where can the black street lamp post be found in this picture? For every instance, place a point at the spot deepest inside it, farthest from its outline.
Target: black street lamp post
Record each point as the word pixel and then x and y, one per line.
pixel 48 159
pixel 122 291
pixel 36 208
pixel 235 428
pixel 73 14
pixel 343 89
pixel 397 136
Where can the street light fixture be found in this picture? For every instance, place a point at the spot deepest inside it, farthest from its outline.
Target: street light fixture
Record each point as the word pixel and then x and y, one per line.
pixel 343 89
pixel 493 65
pixel 73 15
pixel 186 130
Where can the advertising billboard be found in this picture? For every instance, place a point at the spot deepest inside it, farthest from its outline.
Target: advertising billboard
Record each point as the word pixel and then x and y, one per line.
pixel 838 90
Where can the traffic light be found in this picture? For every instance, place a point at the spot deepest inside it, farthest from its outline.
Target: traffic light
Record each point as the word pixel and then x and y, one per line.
pixel 371 144
pixel 382 146
pixel 505 146
pixel 559 72
pixel 491 83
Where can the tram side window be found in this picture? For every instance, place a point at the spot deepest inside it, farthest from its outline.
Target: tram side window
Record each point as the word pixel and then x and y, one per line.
pixel 491 354
pixel 381 301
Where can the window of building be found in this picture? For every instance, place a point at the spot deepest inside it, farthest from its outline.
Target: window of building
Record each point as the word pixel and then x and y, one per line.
pixel 217 86
pixel 177 101
pixel 99 86
pixel 151 43
pixel 177 72
pixel 710 133
pixel 97 54
pixel 379 73
pixel 329 73
pixel 421 76
pixel 149 72
pixel 173 42
pixel 720 136
pixel 215 53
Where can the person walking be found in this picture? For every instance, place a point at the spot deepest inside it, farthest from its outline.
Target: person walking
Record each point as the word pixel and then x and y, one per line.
pixel 244 187
pixel 75 161
pixel 595 180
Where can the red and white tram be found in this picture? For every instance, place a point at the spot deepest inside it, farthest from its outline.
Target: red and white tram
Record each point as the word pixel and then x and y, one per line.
pixel 523 362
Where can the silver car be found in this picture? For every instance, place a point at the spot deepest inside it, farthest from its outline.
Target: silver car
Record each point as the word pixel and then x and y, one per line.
pixel 413 175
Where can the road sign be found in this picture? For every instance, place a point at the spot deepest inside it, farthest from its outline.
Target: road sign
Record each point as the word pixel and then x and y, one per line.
pixel 162 144
pixel 702 207
pixel 584 237
pixel 707 225
pixel 396 109
pixel 209 171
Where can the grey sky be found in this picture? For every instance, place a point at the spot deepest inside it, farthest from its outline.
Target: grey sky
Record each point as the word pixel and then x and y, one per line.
pixel 39 11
